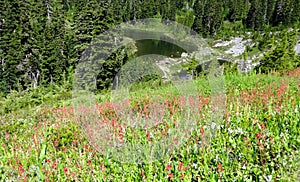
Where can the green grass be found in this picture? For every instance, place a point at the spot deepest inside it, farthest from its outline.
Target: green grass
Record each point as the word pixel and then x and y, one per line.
pixel 259 136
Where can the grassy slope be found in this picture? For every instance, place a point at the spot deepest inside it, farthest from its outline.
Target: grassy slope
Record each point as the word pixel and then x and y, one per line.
pixel 258 138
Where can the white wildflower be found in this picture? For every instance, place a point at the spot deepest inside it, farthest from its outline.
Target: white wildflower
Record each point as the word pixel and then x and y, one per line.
pixel 239 130
pixel 281 135
pixel 268 178
pixel 213 125
pixel 244 167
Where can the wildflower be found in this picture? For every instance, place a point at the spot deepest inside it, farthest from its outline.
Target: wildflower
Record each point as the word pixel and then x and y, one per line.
pixel 201 131
pixel 258 143
pixel 148 135
pixel 168 167
pixel 228 119
pixel 268 178
pixel 263 126
pixel 143 173
pixel 239 130
pixel 181 167
pixel 281 135
pixel 213 125
pixel 258 135
pixel 65 170
pixel 219 167
pixel 21 171
pixel 79 166
pixel 170 175
pixel 244 167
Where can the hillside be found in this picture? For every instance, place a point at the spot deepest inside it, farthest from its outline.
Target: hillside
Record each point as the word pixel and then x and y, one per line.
pixel 156 90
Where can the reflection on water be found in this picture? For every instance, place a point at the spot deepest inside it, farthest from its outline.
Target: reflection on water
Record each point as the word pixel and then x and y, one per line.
pixel 151 46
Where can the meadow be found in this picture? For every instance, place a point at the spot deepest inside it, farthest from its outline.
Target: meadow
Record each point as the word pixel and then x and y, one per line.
pixel 258 137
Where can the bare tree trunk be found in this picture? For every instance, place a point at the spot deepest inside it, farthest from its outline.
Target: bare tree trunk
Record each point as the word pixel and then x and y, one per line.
pixel 48 12
pixel 35 78
pixel 2 63
pixel 51 79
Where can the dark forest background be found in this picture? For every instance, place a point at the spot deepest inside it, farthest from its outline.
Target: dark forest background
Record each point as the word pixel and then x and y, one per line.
pixel 41 41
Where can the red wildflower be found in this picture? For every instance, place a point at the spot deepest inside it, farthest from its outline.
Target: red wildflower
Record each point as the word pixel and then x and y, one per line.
pixel 79 166
pixel 201 130
pixel 56 143
pixel 21 171
pixel 258 135
pixel 219 167
pixel 170 175
pixel 259 144
pixel 227 119
pixel 168 167
pixel 65 170
pixel 148 135
pixel 181 167
pixel 263 126
pixel 143 175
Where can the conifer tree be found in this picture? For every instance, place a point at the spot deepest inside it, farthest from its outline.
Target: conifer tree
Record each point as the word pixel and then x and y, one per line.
pixel 198 11
pixel 10 45
pixel 281 57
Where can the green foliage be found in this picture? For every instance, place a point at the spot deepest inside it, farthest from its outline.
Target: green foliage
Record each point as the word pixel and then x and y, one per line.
pixel 193 67
pixel 185 18
pixel 31 98
pixel 149 81
pixel 229 29
pixel 63 136
pixel 111 67
pixel 230 67
pixel 282 55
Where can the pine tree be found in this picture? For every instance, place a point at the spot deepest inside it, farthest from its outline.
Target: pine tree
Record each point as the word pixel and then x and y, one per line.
pixel 10 45
pixel 198 12
pixel 283 56
pixel 212 19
